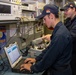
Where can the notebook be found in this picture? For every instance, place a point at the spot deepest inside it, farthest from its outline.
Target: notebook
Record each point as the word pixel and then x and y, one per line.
pixel 15 58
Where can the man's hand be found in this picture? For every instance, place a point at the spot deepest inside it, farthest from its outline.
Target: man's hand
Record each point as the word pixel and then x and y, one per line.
pixel 30 60
pixel 46 37
pixel 26 66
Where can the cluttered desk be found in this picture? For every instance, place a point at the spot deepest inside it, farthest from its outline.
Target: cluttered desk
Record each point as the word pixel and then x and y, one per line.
pixel 15 59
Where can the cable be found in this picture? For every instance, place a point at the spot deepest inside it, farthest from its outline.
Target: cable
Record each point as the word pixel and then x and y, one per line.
pixel 3 66
pixel 27 32
pixel 22 21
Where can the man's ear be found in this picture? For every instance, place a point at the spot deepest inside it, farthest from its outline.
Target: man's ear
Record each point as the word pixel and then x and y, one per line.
pixel 74 9
pixel 51 16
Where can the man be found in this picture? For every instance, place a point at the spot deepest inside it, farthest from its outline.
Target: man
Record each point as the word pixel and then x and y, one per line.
pixel 70 22
pixel 55 59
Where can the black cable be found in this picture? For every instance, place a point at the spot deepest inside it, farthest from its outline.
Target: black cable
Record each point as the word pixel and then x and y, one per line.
pixel 3 66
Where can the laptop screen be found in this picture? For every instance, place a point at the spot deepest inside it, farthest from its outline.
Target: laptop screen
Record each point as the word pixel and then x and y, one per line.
pixel 13 53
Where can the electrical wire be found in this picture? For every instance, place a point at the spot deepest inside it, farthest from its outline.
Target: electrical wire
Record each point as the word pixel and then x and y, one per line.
pixel 22 21
pixel 27 32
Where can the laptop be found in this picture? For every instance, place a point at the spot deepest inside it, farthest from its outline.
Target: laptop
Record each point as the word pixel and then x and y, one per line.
pixel 15 58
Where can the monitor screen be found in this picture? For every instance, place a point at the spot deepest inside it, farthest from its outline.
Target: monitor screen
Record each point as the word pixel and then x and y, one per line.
pixel 5 9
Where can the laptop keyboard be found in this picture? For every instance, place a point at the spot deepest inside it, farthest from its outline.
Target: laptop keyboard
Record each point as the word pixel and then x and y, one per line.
pixel 17 68
pixel 20 63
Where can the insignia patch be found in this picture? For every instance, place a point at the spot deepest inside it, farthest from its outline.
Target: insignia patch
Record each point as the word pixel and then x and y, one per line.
pixel 47 11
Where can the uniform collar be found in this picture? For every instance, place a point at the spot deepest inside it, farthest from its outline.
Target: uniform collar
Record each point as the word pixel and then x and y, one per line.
pixel 73 18
pixel 56 28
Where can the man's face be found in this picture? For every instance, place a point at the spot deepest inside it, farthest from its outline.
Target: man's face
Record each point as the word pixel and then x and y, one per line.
pixel 47 21
pixel 69 12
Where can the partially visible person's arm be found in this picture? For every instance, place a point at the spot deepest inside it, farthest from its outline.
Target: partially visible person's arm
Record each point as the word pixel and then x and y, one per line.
pixel 52 54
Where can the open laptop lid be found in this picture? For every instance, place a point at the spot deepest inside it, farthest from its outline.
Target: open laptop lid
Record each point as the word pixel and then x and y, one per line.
pixel 13 54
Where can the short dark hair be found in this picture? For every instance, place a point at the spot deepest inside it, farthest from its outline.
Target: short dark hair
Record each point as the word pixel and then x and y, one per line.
pixel 56 15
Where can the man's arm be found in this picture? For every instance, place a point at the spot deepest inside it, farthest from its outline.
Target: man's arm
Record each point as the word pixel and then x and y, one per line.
pixel 47 37
pixel 52 53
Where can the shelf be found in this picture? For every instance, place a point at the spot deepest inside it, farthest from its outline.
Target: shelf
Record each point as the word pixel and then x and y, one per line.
pixel 29 2
pixel 29 20
pixel 28 10
pixel 9 2
pixel 5 22
pixel 10 22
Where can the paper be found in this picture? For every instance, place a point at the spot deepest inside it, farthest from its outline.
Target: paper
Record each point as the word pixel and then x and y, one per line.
pixel 13 30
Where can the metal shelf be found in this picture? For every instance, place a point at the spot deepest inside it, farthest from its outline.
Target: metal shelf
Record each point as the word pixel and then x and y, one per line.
pixel 5 22
pixel 28 10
